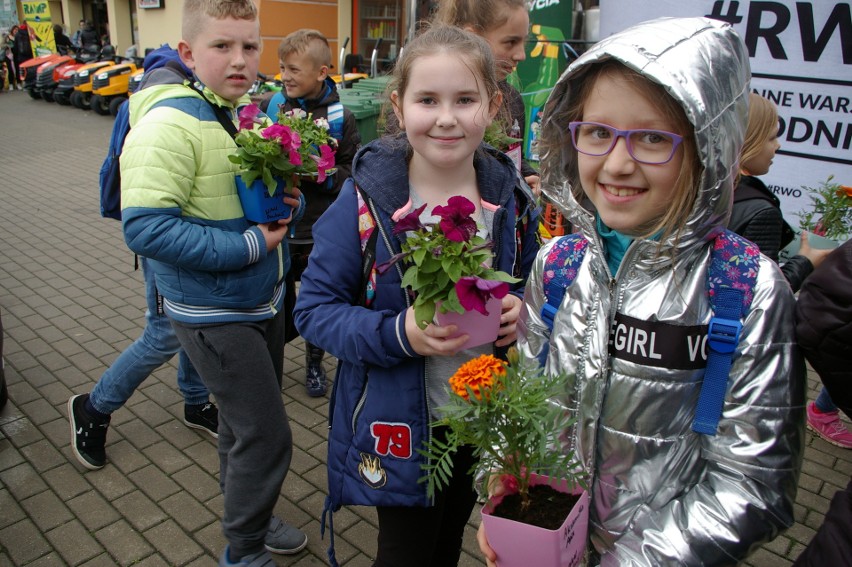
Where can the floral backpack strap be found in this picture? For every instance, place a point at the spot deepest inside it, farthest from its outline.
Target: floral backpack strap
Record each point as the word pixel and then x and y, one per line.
pixel 731 278
pixel 368 234
pixel 560 270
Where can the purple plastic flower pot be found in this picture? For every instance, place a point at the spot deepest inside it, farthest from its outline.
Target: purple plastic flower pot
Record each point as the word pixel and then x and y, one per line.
pixel 258 206
pixel 522 545
pixel 481 329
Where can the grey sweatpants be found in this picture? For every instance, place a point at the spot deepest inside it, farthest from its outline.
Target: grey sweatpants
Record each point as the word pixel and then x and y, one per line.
pixel 241 364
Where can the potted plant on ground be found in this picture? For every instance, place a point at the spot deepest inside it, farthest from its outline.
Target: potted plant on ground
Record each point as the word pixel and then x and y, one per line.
pixel 448 270
pixel 506 413
pixel 273 158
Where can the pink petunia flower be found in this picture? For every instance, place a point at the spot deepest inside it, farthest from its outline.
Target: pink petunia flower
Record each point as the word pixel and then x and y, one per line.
pixel 249 116
pixel 325 161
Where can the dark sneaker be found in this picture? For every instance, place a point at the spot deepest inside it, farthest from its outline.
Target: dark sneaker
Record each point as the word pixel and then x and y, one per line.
pixel 260 559
pixel 284 539
pixel 205 418
pixel 315 382
pixel 88 434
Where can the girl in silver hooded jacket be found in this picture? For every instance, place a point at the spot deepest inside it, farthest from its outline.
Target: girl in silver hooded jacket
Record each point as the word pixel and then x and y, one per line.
pixel 640 142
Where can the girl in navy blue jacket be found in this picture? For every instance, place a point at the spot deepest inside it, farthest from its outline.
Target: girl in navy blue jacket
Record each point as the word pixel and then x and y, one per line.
pixel 392 375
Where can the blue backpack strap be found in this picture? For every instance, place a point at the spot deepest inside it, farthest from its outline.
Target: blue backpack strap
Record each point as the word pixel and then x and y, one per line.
pixel 731 278
pixel 560 270
pixel 335 121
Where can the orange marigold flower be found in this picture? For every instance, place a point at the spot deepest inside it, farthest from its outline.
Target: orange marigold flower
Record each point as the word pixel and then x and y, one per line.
pixel 478 374
pixel 847 189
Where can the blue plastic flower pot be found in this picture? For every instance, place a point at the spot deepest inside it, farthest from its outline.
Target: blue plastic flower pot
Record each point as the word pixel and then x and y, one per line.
pixel 258 206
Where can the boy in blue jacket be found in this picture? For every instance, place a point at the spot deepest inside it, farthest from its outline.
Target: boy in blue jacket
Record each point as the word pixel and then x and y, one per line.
pixel 305 58
pixel 221 277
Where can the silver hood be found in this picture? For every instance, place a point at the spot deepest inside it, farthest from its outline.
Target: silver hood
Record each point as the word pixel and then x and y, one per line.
pixel 711 84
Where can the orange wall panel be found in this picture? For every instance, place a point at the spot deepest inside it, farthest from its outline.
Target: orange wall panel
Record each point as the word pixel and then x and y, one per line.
pixel 279 18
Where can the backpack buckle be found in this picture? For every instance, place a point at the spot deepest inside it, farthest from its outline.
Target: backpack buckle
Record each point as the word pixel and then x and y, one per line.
pixel 548 313
pixel 723 334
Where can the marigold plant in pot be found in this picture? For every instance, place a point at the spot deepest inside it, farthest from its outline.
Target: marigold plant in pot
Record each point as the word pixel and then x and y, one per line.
pixel 273 158
pixel 505 412
pixel 448 269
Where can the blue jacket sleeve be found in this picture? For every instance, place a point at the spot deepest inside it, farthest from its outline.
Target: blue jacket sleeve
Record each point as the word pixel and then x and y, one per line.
pixel 327 313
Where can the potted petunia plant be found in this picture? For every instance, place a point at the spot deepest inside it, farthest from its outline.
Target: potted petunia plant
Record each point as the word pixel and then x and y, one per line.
pixel 831 212
pixel 448 269
pixel 829 220
pixel 505 412
pixel 273 158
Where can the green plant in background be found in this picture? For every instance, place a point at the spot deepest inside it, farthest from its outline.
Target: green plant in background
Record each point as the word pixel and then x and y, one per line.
pixel 831 212
pixel 496 136
pixel 504 411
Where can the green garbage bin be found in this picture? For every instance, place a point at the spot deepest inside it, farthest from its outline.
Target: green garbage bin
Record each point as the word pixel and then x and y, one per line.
pixel 366 107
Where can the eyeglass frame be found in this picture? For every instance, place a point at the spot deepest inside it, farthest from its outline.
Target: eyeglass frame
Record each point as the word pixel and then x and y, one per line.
pixel 677 140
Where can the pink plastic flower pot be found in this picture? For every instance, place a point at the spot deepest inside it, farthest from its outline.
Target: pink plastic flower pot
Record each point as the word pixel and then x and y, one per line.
pixel 522 545
pixel 480 328
pixel 258 206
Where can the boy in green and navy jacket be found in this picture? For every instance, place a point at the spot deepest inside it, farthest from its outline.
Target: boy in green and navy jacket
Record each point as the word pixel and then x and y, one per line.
pixel 221 277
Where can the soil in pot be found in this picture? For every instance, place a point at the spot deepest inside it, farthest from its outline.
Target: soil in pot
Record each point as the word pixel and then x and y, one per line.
pixel 547 508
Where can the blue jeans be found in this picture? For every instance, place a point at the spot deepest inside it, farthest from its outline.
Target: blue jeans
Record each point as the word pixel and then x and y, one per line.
pixel 824 402
pixel 157 345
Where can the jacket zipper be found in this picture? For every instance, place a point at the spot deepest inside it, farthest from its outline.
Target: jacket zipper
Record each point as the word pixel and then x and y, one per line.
pixel 380 227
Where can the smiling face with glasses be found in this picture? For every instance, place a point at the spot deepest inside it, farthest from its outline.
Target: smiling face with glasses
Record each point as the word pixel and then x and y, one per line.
pixel 628 158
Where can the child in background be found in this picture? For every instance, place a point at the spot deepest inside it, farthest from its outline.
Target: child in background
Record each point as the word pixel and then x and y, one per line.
pixel 220 276
pixel 756 214
pixel 305 57
pixel 392 374
pixel 505 25
pixel 640 140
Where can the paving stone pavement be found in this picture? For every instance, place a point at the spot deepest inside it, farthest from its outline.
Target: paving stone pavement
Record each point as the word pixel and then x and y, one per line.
pixel 71 302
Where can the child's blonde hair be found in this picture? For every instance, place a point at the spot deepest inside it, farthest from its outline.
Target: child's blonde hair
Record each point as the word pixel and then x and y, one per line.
pixel 685 190
pixel 481 15
pixel 193 10
pixel 310 42
pixel 762 126
pixel 454 41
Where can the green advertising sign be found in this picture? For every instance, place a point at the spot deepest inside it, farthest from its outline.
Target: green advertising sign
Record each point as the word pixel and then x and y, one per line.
pixel 550 25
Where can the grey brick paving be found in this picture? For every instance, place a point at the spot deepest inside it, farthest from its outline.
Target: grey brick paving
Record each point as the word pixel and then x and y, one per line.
pixel 71 302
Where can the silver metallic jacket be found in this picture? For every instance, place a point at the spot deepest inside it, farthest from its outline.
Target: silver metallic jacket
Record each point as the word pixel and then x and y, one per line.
pixel 662 494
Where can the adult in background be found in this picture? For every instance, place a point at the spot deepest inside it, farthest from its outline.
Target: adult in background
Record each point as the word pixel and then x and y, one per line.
pixel 76 39
pixel 7 42
pixel 89 39
pixel 63 42
pixel 824 333
pixel 22 48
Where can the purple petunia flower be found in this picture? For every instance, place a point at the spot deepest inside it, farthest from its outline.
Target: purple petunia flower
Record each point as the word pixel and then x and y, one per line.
pixel 456 223
pixel 474 292
pixel 411 221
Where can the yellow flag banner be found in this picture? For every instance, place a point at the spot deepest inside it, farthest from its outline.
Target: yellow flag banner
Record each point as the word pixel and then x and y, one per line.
pixel 37 17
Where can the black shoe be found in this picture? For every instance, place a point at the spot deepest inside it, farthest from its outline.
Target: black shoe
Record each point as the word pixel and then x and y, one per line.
pixel 88 434
pixel 205 418
pixel 315 380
